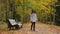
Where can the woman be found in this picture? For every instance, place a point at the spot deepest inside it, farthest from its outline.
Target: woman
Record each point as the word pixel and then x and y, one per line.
pixel 33 19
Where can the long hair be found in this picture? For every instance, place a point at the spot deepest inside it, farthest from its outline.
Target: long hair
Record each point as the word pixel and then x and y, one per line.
pixel 33 11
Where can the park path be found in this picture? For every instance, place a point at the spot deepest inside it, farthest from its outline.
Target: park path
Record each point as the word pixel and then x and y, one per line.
pixel 40 29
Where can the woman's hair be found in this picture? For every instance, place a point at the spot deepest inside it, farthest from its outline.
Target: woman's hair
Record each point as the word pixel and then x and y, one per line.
pixel 33 11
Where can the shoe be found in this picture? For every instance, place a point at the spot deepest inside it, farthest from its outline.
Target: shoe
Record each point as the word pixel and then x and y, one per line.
pixel 33 29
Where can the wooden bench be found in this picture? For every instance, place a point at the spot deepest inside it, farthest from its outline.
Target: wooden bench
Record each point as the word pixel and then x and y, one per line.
pixel 13 25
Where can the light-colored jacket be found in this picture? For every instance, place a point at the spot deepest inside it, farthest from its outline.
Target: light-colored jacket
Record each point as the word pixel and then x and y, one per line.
pixel 33 17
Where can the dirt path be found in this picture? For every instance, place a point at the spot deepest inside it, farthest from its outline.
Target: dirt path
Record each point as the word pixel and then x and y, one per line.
pixel 40 29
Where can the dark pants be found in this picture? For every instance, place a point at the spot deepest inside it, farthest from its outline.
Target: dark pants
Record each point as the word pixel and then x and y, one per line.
pixel 33 26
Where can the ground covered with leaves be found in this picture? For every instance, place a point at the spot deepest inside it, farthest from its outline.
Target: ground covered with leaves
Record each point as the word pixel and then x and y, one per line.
pixel 40 29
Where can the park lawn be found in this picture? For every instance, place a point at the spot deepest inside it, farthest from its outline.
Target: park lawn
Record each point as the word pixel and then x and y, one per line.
pixel 3 26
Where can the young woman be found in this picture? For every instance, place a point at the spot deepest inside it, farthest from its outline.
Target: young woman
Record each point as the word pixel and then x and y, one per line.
pixel 33 19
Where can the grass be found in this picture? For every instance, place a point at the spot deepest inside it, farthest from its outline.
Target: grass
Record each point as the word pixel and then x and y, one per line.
pixel 3 25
